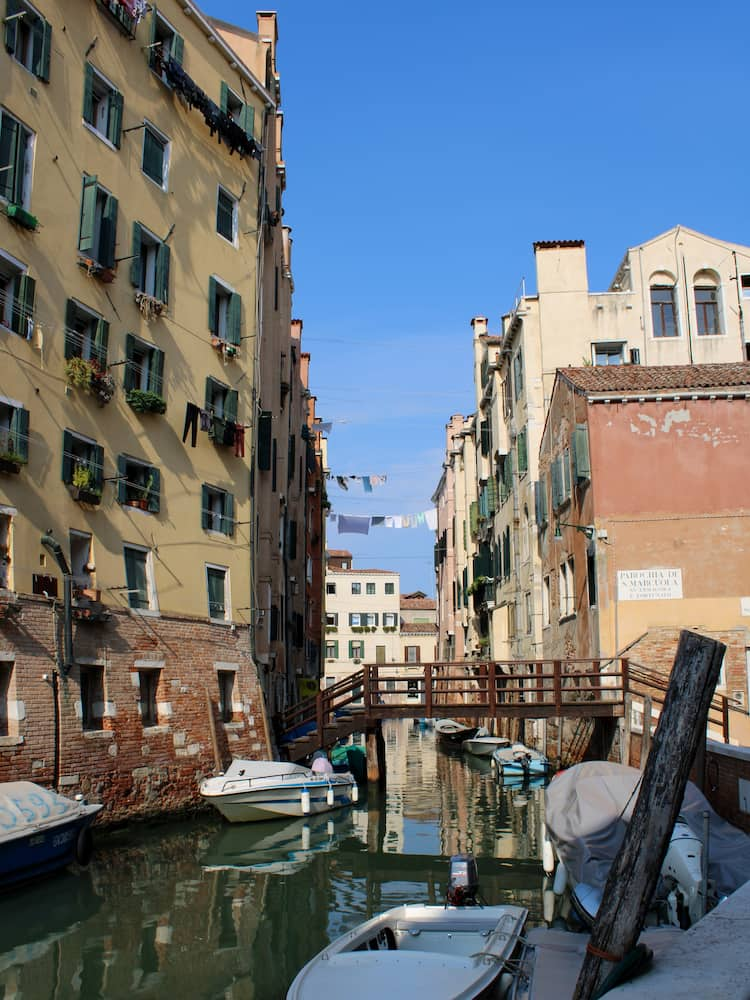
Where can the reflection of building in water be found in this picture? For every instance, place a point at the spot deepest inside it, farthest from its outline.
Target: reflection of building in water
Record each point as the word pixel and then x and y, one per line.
pixel 411 779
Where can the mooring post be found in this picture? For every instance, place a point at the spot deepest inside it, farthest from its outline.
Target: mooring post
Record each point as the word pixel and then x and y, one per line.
pixel 646 730
pixel 376 754
pixel 636 869
pixel 626 730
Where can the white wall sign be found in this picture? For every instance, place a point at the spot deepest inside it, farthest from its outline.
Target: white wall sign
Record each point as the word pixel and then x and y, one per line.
pixel 649 585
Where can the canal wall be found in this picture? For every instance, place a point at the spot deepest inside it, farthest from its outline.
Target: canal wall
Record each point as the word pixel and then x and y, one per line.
pixel 149 705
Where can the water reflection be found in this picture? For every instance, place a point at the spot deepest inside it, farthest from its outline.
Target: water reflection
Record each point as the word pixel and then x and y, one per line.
pixel 207 909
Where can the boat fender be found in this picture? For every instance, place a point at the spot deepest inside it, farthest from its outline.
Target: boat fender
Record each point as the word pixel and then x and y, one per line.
pixel 84 846
pixel 561 878
pixel 548 856
pixel 636 961
pixel 306 837
pixel 549 905
pixel 330 795
pixel 355 793
pixel 305 801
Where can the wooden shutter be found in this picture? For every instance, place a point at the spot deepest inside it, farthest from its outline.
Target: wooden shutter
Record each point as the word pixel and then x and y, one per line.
pixel 227 521
pixel 153 156
pixel 556 470
pixel 213 310
pixel 161 284
pixel 523 458
pixel 264 440
pixel 67 457
pixel 114 125
pixel 122 484
pixel 19 430
pixel 178 48
pixel 154 497
pixel 291 457
pixel 540 502
pixel 230 405
pixel 136 264
pixel 581 460
pixel 12 7
pixel 97 460
pixel 130 379
pixel 205 514
pixel 234 318
pixel 23 308
pixel 247 119
pixel 108 234
pixel 42 49
pixel 88 210
pixel 292 554
pixel 566 473
pixel 88 94
pixel 156 373
pixel 9 137
pixel 224 97
pixel 102 340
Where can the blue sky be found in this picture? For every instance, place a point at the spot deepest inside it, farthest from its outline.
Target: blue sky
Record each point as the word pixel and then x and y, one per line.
pixel 428 145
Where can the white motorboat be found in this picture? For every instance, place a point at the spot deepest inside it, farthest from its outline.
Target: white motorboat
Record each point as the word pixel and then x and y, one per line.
pixel 252 790
pixel 453 952
pixel 452 731
pixel 517 760
pixel 484 745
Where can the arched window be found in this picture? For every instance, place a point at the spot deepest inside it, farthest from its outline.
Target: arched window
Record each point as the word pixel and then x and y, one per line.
pixel 706 288
pixel 663 305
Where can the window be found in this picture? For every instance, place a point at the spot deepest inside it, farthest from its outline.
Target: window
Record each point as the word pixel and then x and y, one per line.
pixel 98 228
pixel 6 676
pixel 390 588
pixel 144 366
pixel 217 510
pixel 226 694
pixel 518 374
pixel 226 215
pixel 224 311
pixel 148 686
pixel 745 285
pixel 138 484
pixel 92 696
pixel 546 597
pixel 28 38
pixel 411 654
pixel 332 649
pixel 355 618
pixel 165 44
pixel 83 466
pixel 356 649
pixel 664 311
pixel 17 292
pixel 412 685
pixel 356 588
pixel 608 354
pixel 389 619
pixel 591 572
pixel 217 580
pixel 370 588
pixel 332 618
pixel 221 403
pixel 529 615
pixel 707 310
pixel 155 159
pixel 86 334
pixel 139 578
pixel 16 160
pixel 14 432
pixel 370 619
pixel 330 588
pixel 102 106
pixel 242 114
pixel 149 268
pixel 567 589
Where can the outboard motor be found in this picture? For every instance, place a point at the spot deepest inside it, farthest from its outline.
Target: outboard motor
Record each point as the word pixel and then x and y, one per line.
pixel 463 881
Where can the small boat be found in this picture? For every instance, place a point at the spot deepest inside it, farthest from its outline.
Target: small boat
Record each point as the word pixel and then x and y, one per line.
pixel 458 951
pixel 252 790
pixel 484 745
pixel 454 732
pixel 518 760
pixel 41 831
pixel 350 757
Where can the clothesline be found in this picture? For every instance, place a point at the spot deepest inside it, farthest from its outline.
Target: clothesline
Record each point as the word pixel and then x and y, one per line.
pixel 368 482
pixel 357 524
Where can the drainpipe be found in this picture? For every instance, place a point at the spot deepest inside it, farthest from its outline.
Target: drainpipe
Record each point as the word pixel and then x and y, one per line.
pixel 55 549
pixel 739 304
pixel 687 311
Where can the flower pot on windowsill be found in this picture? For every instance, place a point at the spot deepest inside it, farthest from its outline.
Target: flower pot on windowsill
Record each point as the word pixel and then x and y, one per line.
pixel 144 401
pixel 87 496
pixel 138 502
pixel 19 215
pixel 150 307
pixel 11 462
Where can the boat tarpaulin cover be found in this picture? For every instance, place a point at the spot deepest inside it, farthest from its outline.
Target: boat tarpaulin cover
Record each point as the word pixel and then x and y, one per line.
pixel 589 806
pixel 25 806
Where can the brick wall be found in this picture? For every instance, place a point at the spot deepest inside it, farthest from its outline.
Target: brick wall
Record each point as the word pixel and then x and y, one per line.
pixel 135 770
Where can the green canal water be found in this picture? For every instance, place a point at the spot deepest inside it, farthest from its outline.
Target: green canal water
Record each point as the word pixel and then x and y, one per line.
pixel 204 909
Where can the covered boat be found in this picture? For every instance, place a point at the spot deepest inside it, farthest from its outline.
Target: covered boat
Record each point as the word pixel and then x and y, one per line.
pixel 519 761
pixel 458 951
pixel 251 790
pixel 41 831
pixel 454 732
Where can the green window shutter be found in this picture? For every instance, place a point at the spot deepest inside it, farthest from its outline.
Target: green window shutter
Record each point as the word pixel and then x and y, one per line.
pixel 484 436
pixel 122 486
pixel 98 466
pixel 291 458
pixel 264 440
pixel 162 273
pixel 247 120
pixel 88 94
pixel 234 318
pixel 492 494
pixel 114 125
pixel 88 209
pixel 156 375
pixel 292 539
pixel 228 519
pixel 67 457
pixel 23 312
pixel 13 7
pixel 136 264
pixel 102 339
pixel 154 497
pixel 153 157
pixel 108 235
pixel 178 48
pixel 540 503
pixel 130 376
pixel 523 459
pixel 19 432
pixel 230 405
pixel 213 311
pixel 152 49
pixel 474 516
pixel 224 97
pixel 208 402
pixel 566 474
pixel 70 315
pixel 205 519
pixel 351 649
pixel 8 157
pixel 42 50
pixel 556 470
pixel 336 648
pixel 581 461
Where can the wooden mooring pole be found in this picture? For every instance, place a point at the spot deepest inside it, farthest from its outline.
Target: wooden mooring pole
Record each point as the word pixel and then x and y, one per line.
pixel 376 755
pixel 635 871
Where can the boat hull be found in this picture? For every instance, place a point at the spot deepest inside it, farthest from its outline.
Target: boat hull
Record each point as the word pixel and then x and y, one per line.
pixel 484 746
pixel 454 732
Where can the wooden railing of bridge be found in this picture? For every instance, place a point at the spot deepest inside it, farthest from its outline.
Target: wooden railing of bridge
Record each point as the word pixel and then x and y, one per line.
pixel 529 689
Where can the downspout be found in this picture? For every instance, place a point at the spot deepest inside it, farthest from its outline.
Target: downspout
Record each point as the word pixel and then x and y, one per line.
pixel 739 305
pixel 687 311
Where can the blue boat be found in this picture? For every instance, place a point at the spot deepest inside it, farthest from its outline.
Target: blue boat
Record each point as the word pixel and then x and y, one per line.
pixel 41 832
pixel 519 761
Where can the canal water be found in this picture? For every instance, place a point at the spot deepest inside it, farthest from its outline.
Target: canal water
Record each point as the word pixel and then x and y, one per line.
pixel 205 909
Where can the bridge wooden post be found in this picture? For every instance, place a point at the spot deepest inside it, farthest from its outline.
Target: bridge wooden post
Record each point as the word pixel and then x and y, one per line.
pixel 625 676
pixel 557 685
pixel 646 730
pixel 319 717
pixel 491 689
pixel 376 754
pixel 428 690
pixel 366 697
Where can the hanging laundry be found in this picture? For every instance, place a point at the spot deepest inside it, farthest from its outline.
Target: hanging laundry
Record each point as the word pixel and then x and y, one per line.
pixel 398 521
pixel 430 517
pixel 324 428
pixel 420 519
pixel 389 522
pixel 191 424
pixel 341 480
pixel 239 440
pixel 350 524
pixel 205 420
pixel 367 483
pixel 377 521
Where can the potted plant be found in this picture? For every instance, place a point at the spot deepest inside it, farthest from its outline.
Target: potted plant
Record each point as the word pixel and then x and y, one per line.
pixel 102 384
pixel 92 267
pixel 84 486
pixel 10 460
pixel 144 492
pixel 144 401
pixel 79 372
pixel 149 306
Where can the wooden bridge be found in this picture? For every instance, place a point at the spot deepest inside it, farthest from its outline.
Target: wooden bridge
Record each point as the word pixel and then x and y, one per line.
pixel 529 689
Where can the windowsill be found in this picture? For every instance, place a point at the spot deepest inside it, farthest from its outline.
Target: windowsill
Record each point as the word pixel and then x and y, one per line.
pixel 158 730
pixel 233 726
pixel 709 336
pixel 98 734
pixel 146 612
pixel 138 510
pixel 232 243
pixel 99 135
pixel 10 741
pixel 162 187
pixel 566 618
